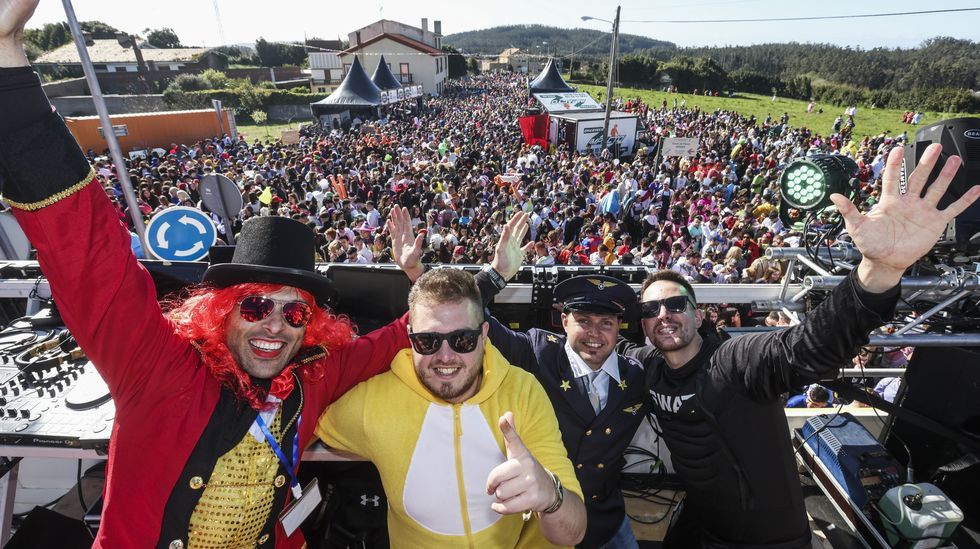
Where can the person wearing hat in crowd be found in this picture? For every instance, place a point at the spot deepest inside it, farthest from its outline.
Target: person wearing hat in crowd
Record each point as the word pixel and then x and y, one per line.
pixel 216 397
pixel 597 394
pixel 718 403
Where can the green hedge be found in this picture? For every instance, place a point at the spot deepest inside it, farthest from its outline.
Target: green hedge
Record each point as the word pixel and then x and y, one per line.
pixel 244 100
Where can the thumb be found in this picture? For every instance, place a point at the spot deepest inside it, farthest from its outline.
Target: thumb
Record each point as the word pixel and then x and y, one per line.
pixel 512 441
pixel 847 210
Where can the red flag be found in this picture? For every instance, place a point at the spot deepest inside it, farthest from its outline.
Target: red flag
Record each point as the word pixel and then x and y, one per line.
pixel 535 129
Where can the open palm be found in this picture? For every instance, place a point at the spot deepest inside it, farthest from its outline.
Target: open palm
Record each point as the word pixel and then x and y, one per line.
pixel 406 248
pixel 903 227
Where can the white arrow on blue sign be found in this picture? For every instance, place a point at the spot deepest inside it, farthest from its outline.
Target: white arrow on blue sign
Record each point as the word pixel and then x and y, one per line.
pixel 180 233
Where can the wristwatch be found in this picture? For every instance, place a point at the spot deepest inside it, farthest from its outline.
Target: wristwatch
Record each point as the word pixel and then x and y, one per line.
pixel 495 277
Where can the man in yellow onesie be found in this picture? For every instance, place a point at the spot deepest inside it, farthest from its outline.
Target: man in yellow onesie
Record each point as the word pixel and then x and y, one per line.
pixel 446 428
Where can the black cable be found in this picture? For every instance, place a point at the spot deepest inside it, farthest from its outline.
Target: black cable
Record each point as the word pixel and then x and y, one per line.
pixel 822 427
pixel 34 292
pixel 908 464
pixel 78 488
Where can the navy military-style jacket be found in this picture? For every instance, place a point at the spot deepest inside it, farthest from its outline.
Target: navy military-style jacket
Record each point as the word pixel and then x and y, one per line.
pixel 595 444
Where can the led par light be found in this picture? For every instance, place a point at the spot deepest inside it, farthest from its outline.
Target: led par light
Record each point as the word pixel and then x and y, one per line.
pixel 806 185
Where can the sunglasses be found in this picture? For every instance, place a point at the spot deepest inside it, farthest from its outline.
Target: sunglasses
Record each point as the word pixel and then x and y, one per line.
pixel 460 341
pixel 256 308
pixel 675 304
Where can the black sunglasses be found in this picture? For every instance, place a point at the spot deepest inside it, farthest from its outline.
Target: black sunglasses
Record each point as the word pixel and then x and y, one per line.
pixel 675 304
pixel 256 308
pixel 460 341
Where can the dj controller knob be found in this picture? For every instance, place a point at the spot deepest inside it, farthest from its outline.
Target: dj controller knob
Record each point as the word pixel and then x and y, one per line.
pixel 25 414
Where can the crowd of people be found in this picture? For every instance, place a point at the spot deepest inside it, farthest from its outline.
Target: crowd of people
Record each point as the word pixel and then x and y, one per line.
pixel 249 366
pixel 458 163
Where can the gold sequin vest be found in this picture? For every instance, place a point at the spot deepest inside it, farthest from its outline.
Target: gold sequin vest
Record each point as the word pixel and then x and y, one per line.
pixel 235 505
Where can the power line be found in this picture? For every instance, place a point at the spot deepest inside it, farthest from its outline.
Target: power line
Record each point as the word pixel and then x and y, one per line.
pixel 810 18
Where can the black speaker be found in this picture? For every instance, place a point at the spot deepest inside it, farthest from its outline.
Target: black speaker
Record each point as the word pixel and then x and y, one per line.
pixel 961 137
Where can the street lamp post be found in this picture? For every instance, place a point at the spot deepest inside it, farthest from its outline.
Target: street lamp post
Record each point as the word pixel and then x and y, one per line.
pixel 612 64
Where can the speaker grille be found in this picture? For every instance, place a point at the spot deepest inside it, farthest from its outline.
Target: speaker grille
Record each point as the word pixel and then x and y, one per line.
pixel 972 150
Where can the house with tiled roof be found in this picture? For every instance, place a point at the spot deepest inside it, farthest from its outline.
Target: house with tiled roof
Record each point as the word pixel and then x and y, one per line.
pixel 109 55
pixel 413 54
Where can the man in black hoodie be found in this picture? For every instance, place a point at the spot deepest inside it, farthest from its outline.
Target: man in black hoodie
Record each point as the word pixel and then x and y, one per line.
pixel 717 403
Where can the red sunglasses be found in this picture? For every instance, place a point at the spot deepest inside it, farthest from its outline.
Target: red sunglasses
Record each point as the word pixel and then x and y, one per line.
pixel 256 308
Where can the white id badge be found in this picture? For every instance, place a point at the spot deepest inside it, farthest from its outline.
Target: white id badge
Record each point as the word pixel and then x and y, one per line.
pixel 300 508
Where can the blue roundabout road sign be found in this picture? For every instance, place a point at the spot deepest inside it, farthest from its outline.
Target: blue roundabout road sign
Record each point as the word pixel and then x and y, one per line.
pixel 180 234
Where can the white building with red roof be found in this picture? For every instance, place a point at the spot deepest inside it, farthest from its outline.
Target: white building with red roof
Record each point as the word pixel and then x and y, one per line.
pixel 414 55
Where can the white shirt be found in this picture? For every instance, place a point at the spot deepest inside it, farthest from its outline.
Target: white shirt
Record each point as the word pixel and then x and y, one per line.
pixel 609 369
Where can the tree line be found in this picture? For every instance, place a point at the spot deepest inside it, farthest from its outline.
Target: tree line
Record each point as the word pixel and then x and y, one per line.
pixel 943 75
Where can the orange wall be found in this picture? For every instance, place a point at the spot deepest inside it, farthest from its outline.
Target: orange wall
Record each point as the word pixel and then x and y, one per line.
pixel 149 130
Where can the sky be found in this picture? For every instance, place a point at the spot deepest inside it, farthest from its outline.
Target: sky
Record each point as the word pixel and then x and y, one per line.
pixel 243 21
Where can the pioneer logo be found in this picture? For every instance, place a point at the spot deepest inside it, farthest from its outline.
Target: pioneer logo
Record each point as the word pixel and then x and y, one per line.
pixel 972 134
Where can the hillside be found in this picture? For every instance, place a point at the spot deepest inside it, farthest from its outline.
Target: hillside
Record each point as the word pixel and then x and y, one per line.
pixel 938 63
pixel 559 41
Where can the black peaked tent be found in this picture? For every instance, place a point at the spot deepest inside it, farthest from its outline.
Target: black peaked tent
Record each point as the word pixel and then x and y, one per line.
pixel 549 81
pixel 356 93
pixel 383 78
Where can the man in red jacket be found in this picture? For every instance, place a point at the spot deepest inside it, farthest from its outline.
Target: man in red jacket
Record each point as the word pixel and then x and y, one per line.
pixel 216 399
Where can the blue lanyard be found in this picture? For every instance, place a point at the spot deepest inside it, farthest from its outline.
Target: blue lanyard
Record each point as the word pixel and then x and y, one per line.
pixel 290 467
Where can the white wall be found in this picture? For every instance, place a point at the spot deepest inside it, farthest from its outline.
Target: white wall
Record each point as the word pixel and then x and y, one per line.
pixel 422 66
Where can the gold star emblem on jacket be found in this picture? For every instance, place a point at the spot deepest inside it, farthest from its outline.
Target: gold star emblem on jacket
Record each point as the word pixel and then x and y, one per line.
pixel 565 385
pixel 622 385
pixel 552 339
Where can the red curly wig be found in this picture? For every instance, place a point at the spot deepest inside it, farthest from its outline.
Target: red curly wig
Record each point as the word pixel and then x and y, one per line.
pixel 200 319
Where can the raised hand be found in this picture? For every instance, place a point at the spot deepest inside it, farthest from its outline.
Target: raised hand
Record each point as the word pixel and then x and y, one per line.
pixel 902 227
pixel 13 17
pixel 406 249
pixel 520 484
pixel 509 254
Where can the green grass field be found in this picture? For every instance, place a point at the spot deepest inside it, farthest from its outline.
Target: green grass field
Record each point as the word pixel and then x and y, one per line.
pixel 869 121
pixel 265 132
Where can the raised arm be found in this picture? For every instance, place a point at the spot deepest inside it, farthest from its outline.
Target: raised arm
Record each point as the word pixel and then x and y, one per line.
pixel 891 237
pixel 406 248
pixel 902 227
pixel 106 299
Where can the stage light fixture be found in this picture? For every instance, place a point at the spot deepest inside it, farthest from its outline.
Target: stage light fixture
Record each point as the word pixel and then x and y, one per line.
pixel 806 185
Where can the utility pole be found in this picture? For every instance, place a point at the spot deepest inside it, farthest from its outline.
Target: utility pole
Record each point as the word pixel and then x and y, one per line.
pixel 609 85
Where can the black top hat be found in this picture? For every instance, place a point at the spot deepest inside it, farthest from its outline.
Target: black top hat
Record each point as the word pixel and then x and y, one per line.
pixel 595 294
pixel 273 250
